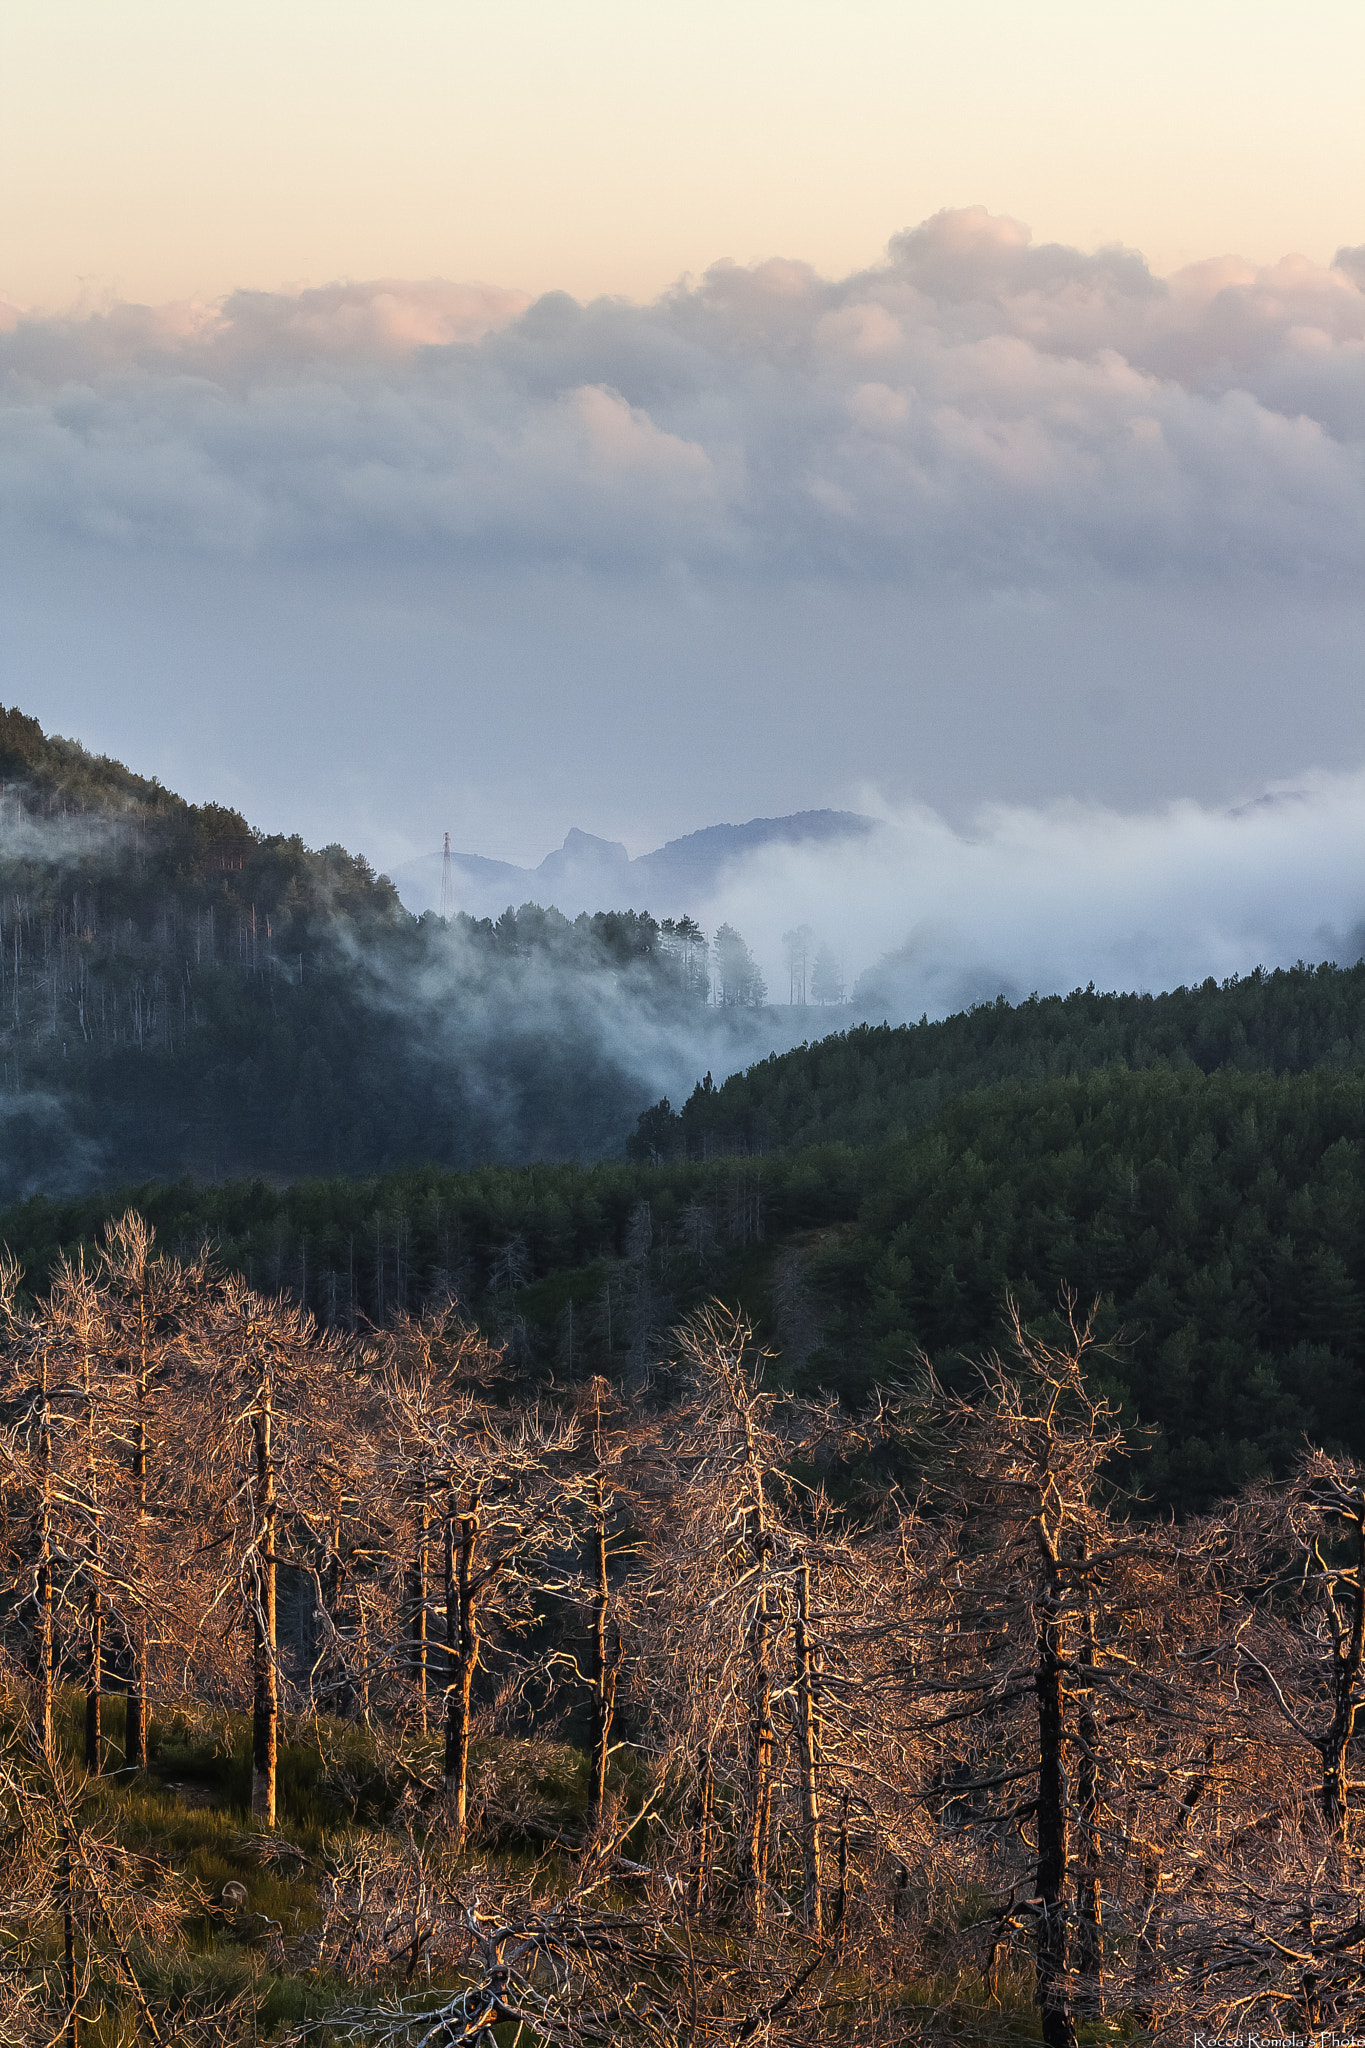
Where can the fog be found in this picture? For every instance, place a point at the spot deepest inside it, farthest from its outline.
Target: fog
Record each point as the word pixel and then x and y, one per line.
pixel 545 1040
pixel 929 917
pixel 552 1057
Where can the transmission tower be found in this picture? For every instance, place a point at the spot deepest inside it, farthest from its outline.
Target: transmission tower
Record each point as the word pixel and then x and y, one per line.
pixel 447 885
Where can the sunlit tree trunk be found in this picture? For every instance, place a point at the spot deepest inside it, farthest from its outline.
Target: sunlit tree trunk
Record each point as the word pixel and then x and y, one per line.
pixel 603 1666
pixel 266 1702
pixel 462 1645
pixel 135 1729
pixel 754 1844
pixel 808 1736
pixel 1054 1841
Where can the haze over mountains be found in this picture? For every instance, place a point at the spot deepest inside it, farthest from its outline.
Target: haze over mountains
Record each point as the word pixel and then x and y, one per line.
pixel 929 916
pixel 181 992
pixel 588 873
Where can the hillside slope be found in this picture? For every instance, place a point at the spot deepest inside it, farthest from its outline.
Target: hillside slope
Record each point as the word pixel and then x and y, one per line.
pixel 874 1081
pixel 179 992
pixel 1217 1218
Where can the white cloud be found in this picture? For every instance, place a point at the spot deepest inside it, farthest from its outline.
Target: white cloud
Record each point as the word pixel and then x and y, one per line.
pixel 1048 898
pixel 975 408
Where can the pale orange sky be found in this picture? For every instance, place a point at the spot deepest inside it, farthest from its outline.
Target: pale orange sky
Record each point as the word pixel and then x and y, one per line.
pixel 161 149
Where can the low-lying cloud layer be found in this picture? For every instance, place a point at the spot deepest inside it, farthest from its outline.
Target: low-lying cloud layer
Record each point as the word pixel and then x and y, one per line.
pixel 929 918
pixel 985 522
pixel 547 1040
pixel 975 408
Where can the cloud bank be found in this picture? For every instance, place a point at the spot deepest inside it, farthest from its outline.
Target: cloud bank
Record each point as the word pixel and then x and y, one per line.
pixel 973 409
pixel 931 919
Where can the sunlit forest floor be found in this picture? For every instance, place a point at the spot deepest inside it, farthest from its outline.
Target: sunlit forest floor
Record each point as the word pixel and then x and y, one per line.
pixel 251 1906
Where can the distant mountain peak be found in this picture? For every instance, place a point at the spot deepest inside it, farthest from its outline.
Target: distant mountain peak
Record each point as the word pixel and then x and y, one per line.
pixel 788 831
pixel 588 873
pixel 585 846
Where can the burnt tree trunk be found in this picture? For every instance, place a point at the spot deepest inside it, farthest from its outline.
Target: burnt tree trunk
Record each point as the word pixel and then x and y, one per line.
pixel 462 1643
pixel 808 1734
pixel 135 1726
pixel 603 1677
pixel 418 1624
pixel 265 1718
pixel 44 1585
pixel 94 1667
pixel 1089 1902
pixel 67 1880
pixel 1053 1990
pixel 343 1687
pixel 1348 1655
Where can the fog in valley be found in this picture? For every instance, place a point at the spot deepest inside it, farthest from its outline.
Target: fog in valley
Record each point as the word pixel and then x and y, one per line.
pixel 926 917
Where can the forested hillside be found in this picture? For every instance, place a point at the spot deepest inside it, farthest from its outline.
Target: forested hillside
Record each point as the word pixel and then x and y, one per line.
pixel 180 992
pixel 873 1081
pixel 1219 1219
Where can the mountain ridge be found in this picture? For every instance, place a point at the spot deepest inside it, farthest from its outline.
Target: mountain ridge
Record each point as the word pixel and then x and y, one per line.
pixel 673 879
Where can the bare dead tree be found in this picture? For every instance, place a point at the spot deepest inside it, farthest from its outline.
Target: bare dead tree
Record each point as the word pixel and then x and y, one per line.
pixel 500 1488
pixel 1262 1920
pixel 1301 1552
pixel 618 1492
pixel 27 1461
pixel 74 1314
pixel 68 1892
pixel 1002 1644
pixel 150 1303
pixel 762 1650
pixel 261 1371
pixel 1266 1931
pixel 427 1368
pixel 60 1448
pixel 573 1967
pixel 718 1598
pixel 603 1504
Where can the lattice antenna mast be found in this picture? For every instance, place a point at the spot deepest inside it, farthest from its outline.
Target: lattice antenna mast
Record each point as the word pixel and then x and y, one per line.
pixel 447 883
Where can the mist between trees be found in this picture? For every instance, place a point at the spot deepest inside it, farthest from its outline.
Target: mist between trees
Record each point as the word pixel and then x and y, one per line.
pixel 674 1708
pixel 179 992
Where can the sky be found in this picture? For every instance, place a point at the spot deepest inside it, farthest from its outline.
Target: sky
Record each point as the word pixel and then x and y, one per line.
pixel 155 150
pixel 500 419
